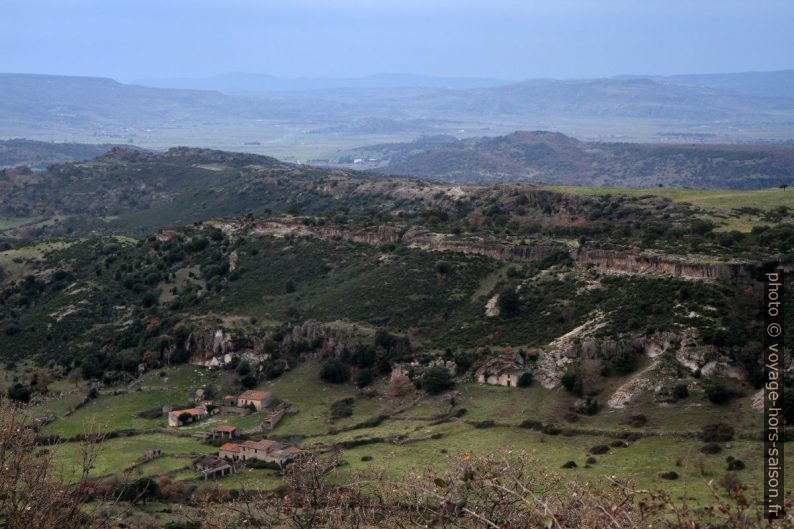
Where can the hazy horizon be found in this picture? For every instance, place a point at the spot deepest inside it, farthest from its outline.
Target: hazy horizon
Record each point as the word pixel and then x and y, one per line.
pixel 311 39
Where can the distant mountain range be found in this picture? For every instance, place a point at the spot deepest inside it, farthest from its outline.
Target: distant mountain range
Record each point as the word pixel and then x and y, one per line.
pixel 555 158
pixel 744 106
pixel 241 83
pixel 766 84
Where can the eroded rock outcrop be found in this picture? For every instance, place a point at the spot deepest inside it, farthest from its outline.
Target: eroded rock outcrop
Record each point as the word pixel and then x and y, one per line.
pixel 608 260
pixel 204 345
pixel 324 338
pixel 645 262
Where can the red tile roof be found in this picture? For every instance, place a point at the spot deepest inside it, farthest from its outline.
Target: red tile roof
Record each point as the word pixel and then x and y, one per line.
pixel 191 411
pixel 225 428
pixel 264 444
pixel 231 447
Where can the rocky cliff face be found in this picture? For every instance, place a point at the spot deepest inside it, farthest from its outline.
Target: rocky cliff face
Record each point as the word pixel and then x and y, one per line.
pixel 330 339
pixel 493 248
pixel 643 263
pixel 205 344
pixel 609 260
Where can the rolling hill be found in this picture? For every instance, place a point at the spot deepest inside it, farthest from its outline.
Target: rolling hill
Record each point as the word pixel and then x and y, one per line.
pixel 555 158
pixel 85 108
pixel 40 154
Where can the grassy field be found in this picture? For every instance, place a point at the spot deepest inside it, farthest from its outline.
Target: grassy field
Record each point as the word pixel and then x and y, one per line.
pixel 719 205
pixel 643 460
pixel 15 263
pixel 314 404
pixel 425 442
pixel 709 199
pixel 118 412
pixel 6 223
pixel 118 454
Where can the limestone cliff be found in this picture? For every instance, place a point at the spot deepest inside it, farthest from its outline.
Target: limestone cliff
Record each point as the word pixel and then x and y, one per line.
pixel 633 262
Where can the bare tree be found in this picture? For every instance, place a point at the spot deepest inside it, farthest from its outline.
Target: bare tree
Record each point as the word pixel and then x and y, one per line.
pixel 33 495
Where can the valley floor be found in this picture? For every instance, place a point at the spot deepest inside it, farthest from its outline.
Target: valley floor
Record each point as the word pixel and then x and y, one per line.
pixel 417 431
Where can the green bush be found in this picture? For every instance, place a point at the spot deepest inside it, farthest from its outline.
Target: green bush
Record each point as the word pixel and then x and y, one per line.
pixel 248 381
pixel 717 433
pixel 599 449
pixel 335 371
pixel 589 407
pixel 509 302
pixel 19 393
pixel 342 408
pixel 680 391
pixel 443 267
pixel 719 392
pixel 572 381
pixel 363 378
pixel 436 380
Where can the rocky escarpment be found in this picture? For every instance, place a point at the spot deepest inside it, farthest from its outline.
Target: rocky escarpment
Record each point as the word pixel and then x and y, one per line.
pixel 375 235
pixel 644 262
pixel 413 237
pixel 213 348
pixel 608 260
pixel 205 344
pixel 493 248
pixel 324 338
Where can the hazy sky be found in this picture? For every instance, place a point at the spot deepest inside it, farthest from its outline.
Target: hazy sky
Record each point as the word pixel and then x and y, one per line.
pixel 510 39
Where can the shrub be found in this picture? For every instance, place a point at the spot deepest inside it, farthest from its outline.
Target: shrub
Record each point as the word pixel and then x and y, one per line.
pixel 366 458
pixel 342 408
pixel 509 302
pixel 274 370
pixel 591 460
pixel 551 429
pixel 572 381
pixel 443 267
pixel 334 371
pixel 637 420
pixel 671 475
pixel 243 368
pixel 680 391
pixel 436 380
pixel 363 378
pixel 152 413
pixel 622 362
pixel 149 299
pixel 720 393
pixel 736 464
pixel 589 407
pixel 619 444
pixel 19 393
pixel 717 433
pixel 248 381
pixel 711 448
pixel 569 464
pixel 731 482
pixel 571 417
pixel 599 449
